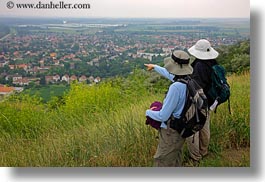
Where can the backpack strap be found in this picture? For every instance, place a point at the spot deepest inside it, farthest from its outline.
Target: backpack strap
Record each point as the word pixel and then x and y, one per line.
pixel 188 80
pixel 229 107
pixel 185 81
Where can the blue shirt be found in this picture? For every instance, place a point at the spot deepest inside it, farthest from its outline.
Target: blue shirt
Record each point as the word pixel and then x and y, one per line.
pixel 173 102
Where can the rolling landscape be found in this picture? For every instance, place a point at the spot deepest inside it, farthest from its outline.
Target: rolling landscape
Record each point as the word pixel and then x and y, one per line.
pixel 78 91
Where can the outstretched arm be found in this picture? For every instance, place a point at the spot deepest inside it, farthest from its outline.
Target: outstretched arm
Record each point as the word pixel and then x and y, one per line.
pixel 162 71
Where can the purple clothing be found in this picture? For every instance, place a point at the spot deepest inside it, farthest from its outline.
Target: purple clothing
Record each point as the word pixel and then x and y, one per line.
pixel 174 101
pixel 149 121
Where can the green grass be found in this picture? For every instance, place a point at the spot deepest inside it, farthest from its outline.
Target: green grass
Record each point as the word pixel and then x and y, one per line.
pixel 104 125
pixel 49 91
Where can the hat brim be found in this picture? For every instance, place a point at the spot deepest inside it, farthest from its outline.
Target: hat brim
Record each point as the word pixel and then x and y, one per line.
pixel 177 69
pixel 211 54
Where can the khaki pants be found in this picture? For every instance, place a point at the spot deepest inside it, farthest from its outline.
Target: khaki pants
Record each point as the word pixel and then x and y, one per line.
pixel 169 150
pixel 198 143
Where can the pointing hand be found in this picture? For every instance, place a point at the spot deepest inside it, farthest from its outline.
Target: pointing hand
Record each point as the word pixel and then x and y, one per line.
pixel 149 66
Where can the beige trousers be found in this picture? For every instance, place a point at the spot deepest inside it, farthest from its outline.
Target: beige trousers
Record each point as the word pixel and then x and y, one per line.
pixel 199 142
pixel 169 150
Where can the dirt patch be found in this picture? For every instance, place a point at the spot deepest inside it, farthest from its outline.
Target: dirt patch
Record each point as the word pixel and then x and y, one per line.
pixel 237 156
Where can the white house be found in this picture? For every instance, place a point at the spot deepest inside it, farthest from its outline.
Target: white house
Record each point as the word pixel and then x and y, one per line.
pixel 66 78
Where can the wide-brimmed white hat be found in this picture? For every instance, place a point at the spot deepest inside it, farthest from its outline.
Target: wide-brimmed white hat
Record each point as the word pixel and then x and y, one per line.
pixel 203 50
pixel 178 63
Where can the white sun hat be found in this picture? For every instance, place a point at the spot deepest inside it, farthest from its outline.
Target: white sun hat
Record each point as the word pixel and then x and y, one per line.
pixel 203 50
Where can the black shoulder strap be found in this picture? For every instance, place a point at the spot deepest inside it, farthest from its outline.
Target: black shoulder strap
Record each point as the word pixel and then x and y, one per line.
pixel 184 80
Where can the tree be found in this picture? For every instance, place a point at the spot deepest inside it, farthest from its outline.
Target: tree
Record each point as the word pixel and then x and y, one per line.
pixel 240 62
pixel 42 80
pixel 235 58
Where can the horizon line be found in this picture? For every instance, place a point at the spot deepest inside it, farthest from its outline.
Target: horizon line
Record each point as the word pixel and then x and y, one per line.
pixel 28 17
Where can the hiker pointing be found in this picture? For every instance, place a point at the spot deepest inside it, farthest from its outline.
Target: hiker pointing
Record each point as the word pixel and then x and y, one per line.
pixel 169 150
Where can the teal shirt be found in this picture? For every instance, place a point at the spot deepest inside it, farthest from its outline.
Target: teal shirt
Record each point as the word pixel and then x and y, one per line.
pixel 174 101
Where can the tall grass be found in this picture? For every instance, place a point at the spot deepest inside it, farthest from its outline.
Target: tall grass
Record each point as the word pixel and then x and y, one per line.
pixel 104 125
pixel 233 130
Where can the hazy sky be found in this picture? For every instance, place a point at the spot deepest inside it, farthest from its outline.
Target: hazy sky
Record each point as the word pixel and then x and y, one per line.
pixel 136 8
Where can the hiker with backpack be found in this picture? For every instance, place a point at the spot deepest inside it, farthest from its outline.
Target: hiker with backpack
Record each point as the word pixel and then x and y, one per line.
pixel 169 150
pixel 211 77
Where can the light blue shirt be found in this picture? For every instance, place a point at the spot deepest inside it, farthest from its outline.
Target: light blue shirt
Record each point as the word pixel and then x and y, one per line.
pixel 163 71
pixel 173 102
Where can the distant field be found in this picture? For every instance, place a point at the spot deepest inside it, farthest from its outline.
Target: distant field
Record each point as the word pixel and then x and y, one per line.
pixel 68 30
pixel 47 92
pixel 229 26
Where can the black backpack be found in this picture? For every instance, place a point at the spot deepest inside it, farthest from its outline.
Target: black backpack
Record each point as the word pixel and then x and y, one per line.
pixel 195 111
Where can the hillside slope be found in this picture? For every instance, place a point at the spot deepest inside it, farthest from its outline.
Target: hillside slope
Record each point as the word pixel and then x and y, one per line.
pixel 104 125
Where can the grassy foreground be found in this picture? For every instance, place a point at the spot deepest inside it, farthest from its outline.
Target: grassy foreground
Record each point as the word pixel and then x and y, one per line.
pixel 104 125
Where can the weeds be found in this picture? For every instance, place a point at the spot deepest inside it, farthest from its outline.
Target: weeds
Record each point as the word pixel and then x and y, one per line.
pixel 104 125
